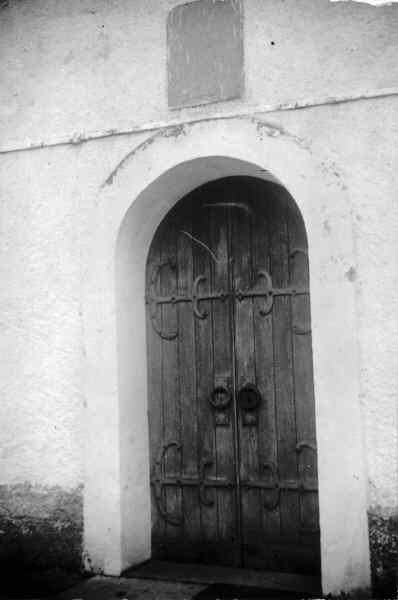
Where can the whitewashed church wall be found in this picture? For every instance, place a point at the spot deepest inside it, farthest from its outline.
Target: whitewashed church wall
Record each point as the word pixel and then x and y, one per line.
pixel 73 69
pixel 96 68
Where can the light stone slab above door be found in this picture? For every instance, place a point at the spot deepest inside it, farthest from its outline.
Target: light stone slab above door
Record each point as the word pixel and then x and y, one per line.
pixel 205 52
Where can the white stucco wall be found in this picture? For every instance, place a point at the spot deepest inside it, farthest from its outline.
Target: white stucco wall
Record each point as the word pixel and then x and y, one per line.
pixel 365 163
pixel 69 69
pixel 94 67
pixel 47 202
pixel 41 354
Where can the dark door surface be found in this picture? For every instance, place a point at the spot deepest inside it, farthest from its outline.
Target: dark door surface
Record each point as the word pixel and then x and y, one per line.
pixel 231 401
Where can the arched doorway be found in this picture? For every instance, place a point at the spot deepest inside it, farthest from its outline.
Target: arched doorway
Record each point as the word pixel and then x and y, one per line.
pixel 230 380
pixel 145 185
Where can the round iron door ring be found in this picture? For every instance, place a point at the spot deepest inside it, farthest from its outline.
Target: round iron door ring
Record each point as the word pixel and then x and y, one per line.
pixel 249 397
pixel 220 397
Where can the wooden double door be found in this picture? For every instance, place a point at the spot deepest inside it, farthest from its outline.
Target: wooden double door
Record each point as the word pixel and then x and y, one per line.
pixel 231 402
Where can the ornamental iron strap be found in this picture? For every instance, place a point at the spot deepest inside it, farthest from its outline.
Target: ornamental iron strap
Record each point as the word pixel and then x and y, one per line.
pixel 284 485
pixel 269 293
pixel 159 482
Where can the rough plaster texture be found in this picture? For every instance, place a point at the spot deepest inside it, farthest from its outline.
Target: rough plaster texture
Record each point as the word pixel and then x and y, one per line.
pixel 365 164
pixel 100 65
pixel 47 200
pixel 41 407
pixel 383 537
pixel 40 535
pixel 82 63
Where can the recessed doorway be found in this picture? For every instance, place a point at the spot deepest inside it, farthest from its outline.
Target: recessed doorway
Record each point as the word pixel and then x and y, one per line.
pixel 231 397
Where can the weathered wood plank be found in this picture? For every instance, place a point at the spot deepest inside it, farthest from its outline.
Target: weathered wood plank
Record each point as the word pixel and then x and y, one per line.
pixel 204 377
pixel 303 380
pixel 241 242
pixel 155 396
pixel 264 357
pixel 222 348
pixel 187 379
pixel 283 369
pixel 171 376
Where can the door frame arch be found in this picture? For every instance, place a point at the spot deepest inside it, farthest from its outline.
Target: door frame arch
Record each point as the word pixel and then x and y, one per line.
pixel 229 344
pixel 130 205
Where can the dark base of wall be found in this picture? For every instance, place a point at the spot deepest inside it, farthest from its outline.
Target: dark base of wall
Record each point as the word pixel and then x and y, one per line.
pixel 37 584
pixel 40 539
pixel 41 542
pixel 383 535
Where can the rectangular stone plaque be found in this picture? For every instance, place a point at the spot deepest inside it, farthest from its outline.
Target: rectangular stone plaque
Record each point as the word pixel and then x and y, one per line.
pixel 205 52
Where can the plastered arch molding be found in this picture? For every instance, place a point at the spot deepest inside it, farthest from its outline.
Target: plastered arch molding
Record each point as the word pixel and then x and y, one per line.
pixel 132 201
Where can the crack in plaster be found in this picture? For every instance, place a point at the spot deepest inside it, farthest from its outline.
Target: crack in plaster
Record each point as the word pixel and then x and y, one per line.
pixel 262 126
pixel 172 131
pixel 274 130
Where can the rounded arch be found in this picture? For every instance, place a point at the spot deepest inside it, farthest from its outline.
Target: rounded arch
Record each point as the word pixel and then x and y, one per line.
pixel 130 205
pixel 234 235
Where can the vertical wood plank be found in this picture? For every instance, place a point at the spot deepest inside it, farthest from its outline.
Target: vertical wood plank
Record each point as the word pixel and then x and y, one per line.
pixel 264 357
pixel 284 384
pixel 187 388
pixel 204 379
pixel 222 348
pixel 241 241
pixel 155 397
pixel 304 391
pixel 170 381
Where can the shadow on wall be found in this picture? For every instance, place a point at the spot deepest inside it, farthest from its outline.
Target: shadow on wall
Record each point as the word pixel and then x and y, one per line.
pixel 41 533
pixel 383 539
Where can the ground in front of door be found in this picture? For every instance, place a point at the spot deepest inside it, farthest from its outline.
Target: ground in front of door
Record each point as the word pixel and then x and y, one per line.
pixel 129 588
pixel 116 588
pixel 113 588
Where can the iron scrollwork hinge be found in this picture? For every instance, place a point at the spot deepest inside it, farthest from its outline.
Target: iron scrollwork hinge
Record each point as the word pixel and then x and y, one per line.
pixel 306 485
pixel 300 329
pixel 154 301
pixel 157 481
pixel 276 485
pixel 160 481
pixel 273 485
pixel 195 298
pixel 268 294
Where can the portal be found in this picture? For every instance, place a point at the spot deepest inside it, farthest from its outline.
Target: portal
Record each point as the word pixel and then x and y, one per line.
pixel 231 398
